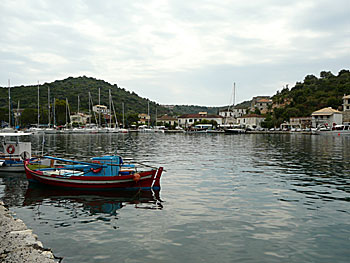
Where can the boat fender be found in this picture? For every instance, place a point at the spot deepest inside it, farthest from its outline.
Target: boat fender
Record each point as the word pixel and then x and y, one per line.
pixel 96 170
pixel 10 149
pixel 137 177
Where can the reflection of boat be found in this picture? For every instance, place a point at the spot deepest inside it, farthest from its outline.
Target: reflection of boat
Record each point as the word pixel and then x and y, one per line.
pixel 11 160
pixel 106 172
pixel 95 201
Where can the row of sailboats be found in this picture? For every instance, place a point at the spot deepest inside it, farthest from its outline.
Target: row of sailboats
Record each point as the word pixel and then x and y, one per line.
pixel 88 128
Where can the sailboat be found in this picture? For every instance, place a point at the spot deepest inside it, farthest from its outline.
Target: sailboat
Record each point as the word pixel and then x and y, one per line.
pixel 49 130
pixel 122 130
pixel 37 129
pixel 9 128
pixel 91 128
pixel 236 129
pixel 111 129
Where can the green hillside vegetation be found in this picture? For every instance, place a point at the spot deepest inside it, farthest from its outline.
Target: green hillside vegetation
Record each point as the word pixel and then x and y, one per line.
pixel 305 97
pixel 71 88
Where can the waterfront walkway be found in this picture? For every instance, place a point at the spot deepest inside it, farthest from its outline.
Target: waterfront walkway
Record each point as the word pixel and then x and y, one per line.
pixel 18 243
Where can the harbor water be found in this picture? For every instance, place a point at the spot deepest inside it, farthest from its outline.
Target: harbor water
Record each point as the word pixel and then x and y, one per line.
pixel 223 198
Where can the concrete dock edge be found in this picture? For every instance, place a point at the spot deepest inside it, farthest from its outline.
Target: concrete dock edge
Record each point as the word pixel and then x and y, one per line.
pixel 18 243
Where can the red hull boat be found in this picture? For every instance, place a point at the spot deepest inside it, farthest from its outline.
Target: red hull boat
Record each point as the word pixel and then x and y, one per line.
pixel 104 173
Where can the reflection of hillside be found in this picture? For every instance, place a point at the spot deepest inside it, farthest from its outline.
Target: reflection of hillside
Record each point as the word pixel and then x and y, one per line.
pixel 305 161
pixel 95 202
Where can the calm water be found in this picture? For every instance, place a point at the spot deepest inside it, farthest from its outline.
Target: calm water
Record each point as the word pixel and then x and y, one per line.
pixel 224 198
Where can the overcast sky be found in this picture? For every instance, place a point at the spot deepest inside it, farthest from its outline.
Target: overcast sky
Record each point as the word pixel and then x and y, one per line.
pixel 175 52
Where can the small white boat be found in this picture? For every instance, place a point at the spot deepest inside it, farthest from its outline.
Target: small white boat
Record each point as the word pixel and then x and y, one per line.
pixel 14 152
pixel 335 130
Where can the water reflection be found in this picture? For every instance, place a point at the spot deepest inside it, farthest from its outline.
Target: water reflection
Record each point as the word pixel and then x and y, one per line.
pixel 96 202
pixel 249 198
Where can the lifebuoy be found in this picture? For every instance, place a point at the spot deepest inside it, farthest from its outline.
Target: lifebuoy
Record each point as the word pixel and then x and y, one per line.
pixel 10 149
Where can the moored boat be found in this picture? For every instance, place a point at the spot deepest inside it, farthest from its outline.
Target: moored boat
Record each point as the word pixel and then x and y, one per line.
pixel 335 130
pixel 102 173
pixel 14 152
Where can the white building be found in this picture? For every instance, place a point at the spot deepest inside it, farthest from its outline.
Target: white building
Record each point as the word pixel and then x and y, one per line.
pixel 100 109
pixel 327 117
pixel 79 118
pixel 230 115
pixel 188 120
pixel 251 120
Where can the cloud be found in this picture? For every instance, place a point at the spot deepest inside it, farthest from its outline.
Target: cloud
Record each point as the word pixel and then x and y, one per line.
pixel 173 51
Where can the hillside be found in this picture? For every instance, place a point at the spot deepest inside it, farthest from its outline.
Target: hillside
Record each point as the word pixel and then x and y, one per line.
pixel 71 88
pixel 310 95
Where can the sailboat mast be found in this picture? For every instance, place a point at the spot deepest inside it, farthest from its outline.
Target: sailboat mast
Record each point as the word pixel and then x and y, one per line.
pixel 9 125
pixel 156 116
pixel 66 113
pixel 54 112
pixel 99 111
pixel 78 104
pixel 17 123
pixel 234 93
pixel 148 117
pixel 38 105
pixel 123 114
pixel 110 109
pixel 90 109
pixel 49 105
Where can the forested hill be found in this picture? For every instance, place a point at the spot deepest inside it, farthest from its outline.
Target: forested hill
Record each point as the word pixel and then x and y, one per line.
pixel 70 88
pixel 312 94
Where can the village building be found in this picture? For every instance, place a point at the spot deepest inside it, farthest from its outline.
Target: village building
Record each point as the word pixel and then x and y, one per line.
pixel 297 123
pixel 326 117
pixel 261 103
pixel 100 109
pixel 251 120
pixel 144 118
pixel 165 119
pixel 187 120
pixel 346 109
pixel 230 115
pixel 80 118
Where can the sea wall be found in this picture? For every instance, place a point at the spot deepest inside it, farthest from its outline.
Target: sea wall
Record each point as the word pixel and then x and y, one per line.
pixel 18 243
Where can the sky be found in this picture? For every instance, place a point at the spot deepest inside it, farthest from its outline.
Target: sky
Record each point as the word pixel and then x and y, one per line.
pixel 175 52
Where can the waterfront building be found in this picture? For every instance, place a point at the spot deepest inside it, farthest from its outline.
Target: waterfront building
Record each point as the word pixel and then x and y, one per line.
pixel 326 117
pixel 187 120
pixel 297 122
pixel 230 115
pixel 346 109
pixel 251 120
pixel 167 120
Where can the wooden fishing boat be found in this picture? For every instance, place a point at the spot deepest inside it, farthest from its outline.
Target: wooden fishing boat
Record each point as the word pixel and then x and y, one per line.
pixel 102 173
